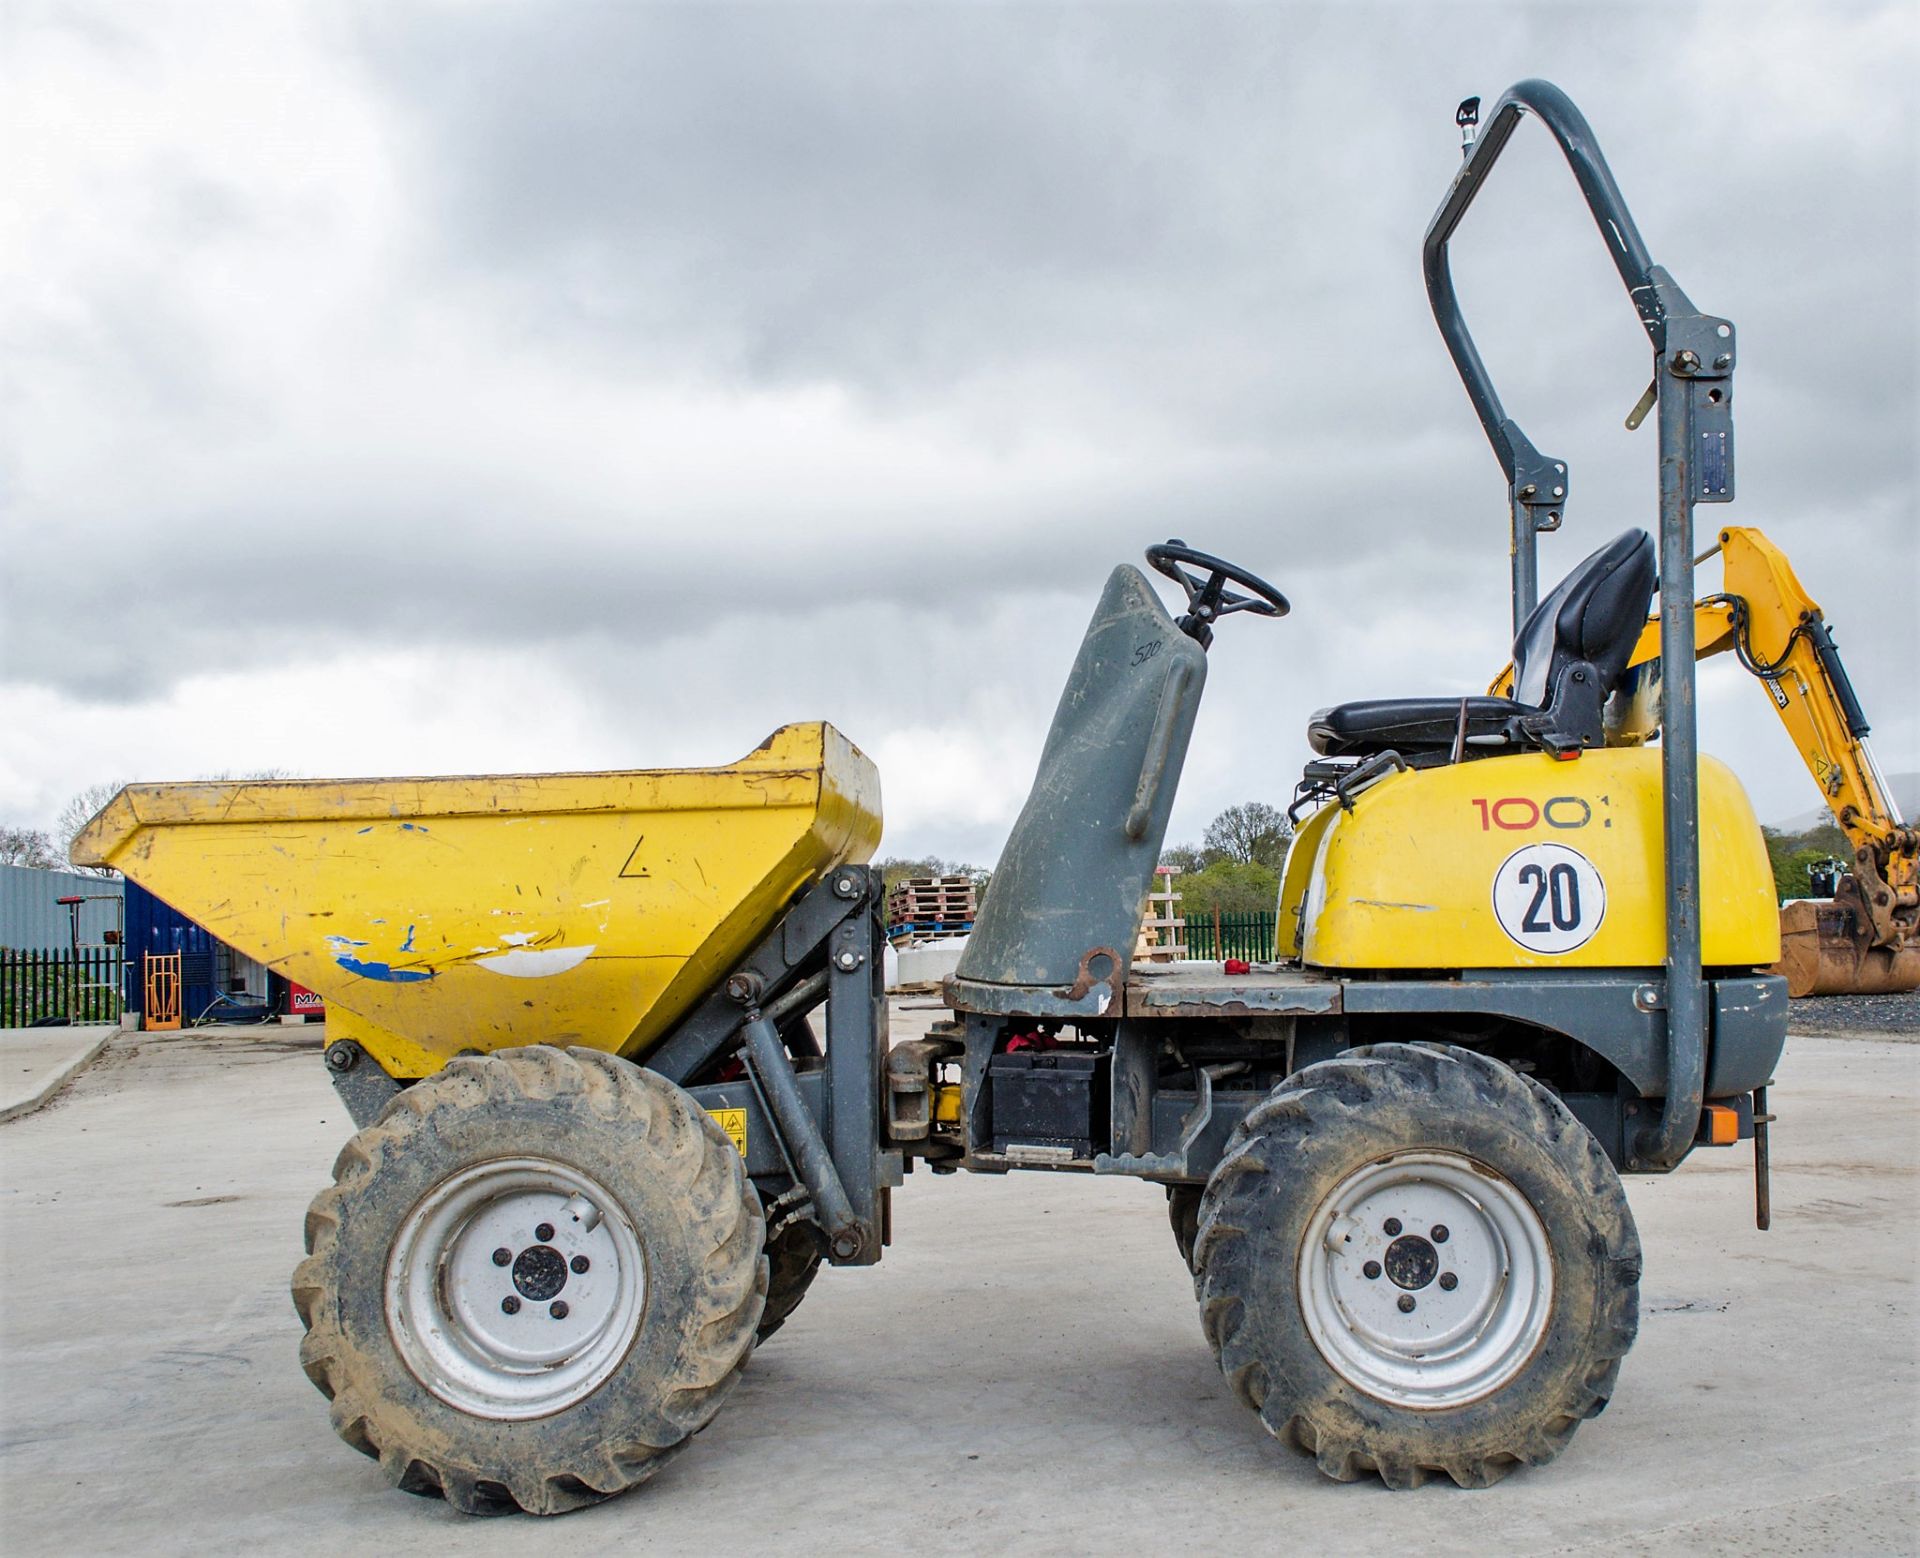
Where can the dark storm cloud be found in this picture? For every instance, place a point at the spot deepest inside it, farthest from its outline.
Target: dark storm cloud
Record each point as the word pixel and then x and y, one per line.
pixel 1187 237
pixel 1210 213
pixel 1160 211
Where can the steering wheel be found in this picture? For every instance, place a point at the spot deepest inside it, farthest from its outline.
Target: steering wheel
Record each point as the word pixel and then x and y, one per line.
pixel 1209 599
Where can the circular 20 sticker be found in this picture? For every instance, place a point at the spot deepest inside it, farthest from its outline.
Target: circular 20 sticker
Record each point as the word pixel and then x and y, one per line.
pixel 1549 898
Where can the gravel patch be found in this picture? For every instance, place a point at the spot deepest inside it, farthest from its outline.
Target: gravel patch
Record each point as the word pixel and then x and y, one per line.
pixel 1856 1014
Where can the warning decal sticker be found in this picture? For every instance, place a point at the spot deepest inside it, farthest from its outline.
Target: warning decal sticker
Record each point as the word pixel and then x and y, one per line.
pixel 734 1123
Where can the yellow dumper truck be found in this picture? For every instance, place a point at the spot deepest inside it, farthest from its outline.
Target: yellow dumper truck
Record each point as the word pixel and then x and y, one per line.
pixel 617 1043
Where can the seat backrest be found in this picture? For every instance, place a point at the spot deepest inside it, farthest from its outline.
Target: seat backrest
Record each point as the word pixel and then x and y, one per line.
pixel 1080 859
pixel 1594 614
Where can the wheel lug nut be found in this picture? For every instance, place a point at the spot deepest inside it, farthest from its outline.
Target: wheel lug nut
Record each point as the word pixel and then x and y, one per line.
pixel 558 1309
pixel 1449 1281
pixel 544 1232
pixel 509 1305
pixel 1370 1270
pixel 579 1264
pixel 1392 1226
pixel 1438 1233
pixel 503 1257
pixel 1406 1303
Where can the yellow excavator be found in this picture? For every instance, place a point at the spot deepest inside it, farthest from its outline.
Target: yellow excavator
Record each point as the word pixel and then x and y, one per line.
pixel 1865 938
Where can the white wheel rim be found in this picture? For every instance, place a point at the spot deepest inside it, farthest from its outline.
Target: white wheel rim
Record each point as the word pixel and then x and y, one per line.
pixel 1400 1230
pixel 537 1333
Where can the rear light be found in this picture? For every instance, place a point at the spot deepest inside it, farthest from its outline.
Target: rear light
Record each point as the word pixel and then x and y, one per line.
pixel 1719 1126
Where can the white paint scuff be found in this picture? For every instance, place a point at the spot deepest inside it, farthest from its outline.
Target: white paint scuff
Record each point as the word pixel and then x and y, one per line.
pixel 524 963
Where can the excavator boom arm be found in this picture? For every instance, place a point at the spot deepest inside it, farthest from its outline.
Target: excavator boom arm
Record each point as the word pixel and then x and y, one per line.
pixel 1765 615
pixel 1766 618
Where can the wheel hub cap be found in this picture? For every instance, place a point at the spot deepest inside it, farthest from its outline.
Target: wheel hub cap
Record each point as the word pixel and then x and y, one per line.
pixel 1426 1280
pixel 540 1272
pixel 1412 1262
pixel 495 1337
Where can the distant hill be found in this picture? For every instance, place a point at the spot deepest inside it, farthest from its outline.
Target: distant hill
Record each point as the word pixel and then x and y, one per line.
pixel 1906 795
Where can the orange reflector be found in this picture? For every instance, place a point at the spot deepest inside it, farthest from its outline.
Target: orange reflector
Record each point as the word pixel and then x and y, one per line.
pixel 1719 1125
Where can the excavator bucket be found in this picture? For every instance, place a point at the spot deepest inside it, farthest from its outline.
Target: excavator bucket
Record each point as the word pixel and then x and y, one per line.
pixel 1826 948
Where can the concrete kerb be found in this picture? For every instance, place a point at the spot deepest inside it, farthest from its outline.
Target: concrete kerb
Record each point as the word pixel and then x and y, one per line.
pixel 35 1063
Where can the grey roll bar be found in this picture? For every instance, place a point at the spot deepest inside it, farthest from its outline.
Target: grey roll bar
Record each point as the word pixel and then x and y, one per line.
pixel 1693 358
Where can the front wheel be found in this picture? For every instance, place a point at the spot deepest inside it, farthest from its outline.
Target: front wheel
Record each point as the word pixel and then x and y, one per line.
pixel 1414 1260
pixel 534 1277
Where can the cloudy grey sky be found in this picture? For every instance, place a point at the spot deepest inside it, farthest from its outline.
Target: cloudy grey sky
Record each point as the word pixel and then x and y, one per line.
pixel 452 387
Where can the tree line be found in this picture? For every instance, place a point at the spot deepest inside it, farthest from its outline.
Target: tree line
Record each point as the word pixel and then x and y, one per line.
pixel 1235 867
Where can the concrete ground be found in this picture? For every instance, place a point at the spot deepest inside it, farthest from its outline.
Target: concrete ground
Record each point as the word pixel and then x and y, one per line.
pixel 35 1063
pixel 1023 1373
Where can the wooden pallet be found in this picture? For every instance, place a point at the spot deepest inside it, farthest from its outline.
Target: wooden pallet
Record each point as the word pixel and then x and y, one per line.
pixel 937 900
pixel 1162 928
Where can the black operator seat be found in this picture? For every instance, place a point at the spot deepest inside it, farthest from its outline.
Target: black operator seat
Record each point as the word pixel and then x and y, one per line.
pixel 1567 659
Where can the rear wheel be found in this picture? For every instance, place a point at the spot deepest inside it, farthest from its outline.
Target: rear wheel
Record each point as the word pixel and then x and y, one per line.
pixel 794 1252
pixel 534 1277
pixel 1414 1260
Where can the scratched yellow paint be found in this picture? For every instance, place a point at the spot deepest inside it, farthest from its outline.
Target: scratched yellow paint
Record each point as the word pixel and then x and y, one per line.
pixel 442 915
pixel 1406 879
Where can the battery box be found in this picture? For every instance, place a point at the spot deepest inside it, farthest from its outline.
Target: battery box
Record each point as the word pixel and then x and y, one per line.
pixel 1051 1099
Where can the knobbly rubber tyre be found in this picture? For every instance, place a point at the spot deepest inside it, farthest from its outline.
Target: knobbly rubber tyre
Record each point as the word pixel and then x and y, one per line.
pixel 1349 1121
pixel 674 1182
pixel 793 1261
pixel 1183 1213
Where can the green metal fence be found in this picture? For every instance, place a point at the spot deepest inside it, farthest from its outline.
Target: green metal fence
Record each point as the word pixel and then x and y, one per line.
pixel 1213 937
pixel 81 986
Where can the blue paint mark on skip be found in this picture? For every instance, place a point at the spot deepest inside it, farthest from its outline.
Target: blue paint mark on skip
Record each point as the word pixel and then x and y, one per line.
pixel 386 971
pixel 407 945
pixel 411 827
pixel 366 830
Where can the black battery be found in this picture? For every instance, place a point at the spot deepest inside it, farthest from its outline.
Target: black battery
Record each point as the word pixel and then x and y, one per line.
pixel 1050 1098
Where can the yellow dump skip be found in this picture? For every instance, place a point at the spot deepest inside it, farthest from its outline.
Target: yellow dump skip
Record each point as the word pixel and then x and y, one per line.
pixel 441 915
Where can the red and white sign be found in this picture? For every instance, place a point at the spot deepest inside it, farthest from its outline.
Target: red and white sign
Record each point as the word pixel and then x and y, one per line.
pixel 302 1002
